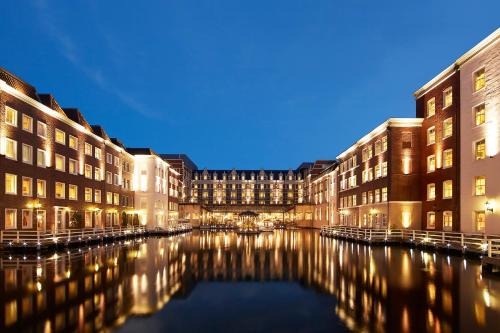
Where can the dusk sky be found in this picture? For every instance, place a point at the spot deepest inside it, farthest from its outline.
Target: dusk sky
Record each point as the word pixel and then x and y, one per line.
pixel 243 84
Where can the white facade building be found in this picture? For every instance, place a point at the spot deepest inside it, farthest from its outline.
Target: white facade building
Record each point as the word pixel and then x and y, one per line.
pixel 480 137
pixel 151 188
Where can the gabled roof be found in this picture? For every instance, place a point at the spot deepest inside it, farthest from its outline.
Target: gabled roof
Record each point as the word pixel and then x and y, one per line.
pixel 75 115
pixel 18 84
pixel 99 131
pixel 49 101
pixel 141 151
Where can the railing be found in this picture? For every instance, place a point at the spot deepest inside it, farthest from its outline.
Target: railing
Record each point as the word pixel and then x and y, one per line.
pixel 467 242
pixel 34 238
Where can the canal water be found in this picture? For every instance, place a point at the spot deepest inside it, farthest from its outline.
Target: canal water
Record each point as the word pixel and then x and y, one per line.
pixel 285 281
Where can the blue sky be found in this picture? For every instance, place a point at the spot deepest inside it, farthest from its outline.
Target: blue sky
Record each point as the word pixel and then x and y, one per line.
pixel 244 84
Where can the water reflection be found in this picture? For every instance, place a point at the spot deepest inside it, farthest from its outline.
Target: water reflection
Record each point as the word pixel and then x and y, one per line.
pixel 376 289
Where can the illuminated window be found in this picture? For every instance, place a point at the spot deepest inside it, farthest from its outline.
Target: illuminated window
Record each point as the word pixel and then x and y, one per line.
pixel 60 163
pixel 41 129
pixel 98 153
pixel 27 123
pixel 26 218
pixel 447 220
pixel 97 174
pixel 60 190
pixel 448 128
pixel 117 161
pixel 480 219
pixel 431 107
pixel 384 147
pixel 447 97
pixel 480 149
pixel 431 135
pixel 363 198
pixel 109 177
pixel 60 137
pixel 109 198
pixel 10 183
pixel 40 158
pixel 378 171
pixel 27 152
pixel 384 169
pixel 480 114
pixel 11 149
pixel 41 188
pixel 116 197
pixel 479 80
pixel 88 194
pixel 384 194
pixel 377 195
pixel 480 185
pixel 109 158
pixel 88 149
pixel 431 191
pixel 431 220
pixel 447 189
pixel 73 142
pixel 378 147
pixel 88 171
pixel 10 116
pixel 97 196
pixel 10 218
pixel 431 163
pixel 72 167
pixel 27 186
pixel 448 158
pixel 72 192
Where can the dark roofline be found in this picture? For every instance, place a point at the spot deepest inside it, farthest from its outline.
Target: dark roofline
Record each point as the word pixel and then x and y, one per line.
pixel 182 157
pixel 142 151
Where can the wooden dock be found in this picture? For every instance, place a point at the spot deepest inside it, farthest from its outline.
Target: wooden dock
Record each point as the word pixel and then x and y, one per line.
pixel 28 240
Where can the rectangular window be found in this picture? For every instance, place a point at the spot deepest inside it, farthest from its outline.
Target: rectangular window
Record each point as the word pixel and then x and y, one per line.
pixel 447 128
pixel 384 144
pixel 109 158
pixel 447 97
pixel 88 171
pixel 431 107
pixel 27 186
pixel 27 219
pixel 117 180
pixel 10 184
pixel 73 167
pixel 431 163
pixel 378 171
pixel 41 129
pixel 60 163
pixel 27 152
pixel 98 153
pixel 60 136
pixel 116 198
pixel 72 192
pixel 41 188
pixel 97 174
pixel 480 149
pixel 88 194
pixel 431 220
pixel 117 161
pixel 88 149
pixel 431 135
pixel 88 219
pixel 363 198
pixel 480 185
pixel 406 139
pixel 10 218
pixel 384 194
pixel 11 149
pixel 431 191
pixel 480 114
pixel 447 158
pixel 73 142
pixel 40 158
pixel 479 80
pixel 480 219
pixel 10 116
pixel 27 123
pixel 377 195
pixel 109 177
pixel 384 169
pixel 60 190
pixel 447 220
pixel 109 198
pixel 97 196
pixel 447 189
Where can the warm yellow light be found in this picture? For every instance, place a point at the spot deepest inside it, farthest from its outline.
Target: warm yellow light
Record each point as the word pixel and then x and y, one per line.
pixel 406 165
pixel 406 220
